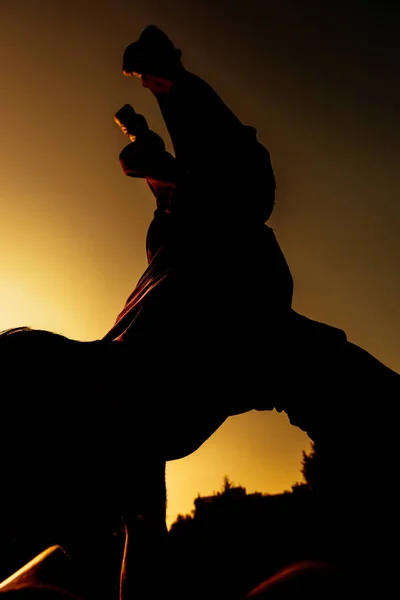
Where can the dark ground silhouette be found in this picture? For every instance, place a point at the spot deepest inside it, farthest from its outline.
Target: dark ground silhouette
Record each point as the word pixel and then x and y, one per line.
pixel 231 543
pixel 219 547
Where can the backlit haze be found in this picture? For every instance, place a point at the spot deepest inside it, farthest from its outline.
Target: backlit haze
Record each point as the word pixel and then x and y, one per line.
pixel 320 86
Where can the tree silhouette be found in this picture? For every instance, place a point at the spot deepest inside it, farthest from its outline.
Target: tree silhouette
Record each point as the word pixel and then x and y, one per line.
pixel 309 467
pixel 227 484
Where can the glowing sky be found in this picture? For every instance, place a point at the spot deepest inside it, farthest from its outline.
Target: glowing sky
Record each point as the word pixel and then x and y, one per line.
pixel 320 86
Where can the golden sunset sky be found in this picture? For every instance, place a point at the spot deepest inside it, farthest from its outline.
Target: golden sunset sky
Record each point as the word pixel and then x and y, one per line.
pixel 319 81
